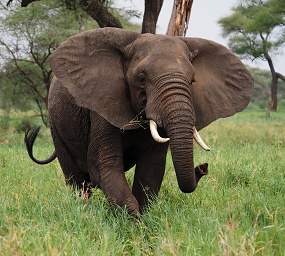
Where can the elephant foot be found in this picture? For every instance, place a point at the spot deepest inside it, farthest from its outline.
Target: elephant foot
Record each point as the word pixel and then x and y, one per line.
pixel 131 207
pixel 201 170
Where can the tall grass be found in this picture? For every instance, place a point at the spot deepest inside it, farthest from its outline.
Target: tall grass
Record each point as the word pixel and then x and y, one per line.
pixel 238 209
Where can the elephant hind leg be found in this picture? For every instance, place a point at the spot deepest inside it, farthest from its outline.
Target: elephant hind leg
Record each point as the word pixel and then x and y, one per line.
pixel 70 132
pixel 72 155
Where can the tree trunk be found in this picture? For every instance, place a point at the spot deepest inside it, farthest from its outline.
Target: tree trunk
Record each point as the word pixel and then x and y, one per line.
pixel 151 13
pixel 100 12
pixel 179 20
pixel 274 89
pixel 274 84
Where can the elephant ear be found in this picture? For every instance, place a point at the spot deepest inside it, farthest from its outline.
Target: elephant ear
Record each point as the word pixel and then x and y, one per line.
pixel 89 65
pixel 222 85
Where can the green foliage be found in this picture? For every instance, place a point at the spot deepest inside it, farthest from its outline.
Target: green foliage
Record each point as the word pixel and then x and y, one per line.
pixel 255 27
pixel 29 36
pixel 23 125
pixel 47 21
pixel 4 122
pixel 15 92
pixel 238 209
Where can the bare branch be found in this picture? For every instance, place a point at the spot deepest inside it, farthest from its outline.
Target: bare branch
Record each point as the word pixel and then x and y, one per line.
pixel 97 9
pixel 29 81
pixel 24 3
pixel 280 76
pixel 9 2
pixel 100 12
pixel 18 59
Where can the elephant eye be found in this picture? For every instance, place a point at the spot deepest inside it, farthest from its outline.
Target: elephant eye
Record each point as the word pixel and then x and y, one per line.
pixel 141 77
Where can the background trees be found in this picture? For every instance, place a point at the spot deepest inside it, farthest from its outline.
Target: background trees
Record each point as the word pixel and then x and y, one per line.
pixel 256 30
pixel 31 29
pixel 28 36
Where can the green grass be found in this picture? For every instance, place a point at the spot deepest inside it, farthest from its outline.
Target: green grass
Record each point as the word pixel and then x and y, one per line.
pixel 238 209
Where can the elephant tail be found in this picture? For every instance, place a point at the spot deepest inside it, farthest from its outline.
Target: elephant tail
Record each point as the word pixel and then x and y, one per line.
pixel 30 137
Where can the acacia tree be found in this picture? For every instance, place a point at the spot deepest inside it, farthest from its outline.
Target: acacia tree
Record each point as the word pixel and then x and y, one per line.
pixel 102 12
pixel 256 30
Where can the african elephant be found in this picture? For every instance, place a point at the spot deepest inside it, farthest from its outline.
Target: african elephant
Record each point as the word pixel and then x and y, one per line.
pixel 110 84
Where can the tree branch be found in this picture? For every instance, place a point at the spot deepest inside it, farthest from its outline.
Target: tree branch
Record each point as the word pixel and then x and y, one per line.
pixel 97 9
pixel 24 3
pixel 25 75
pixel 280 76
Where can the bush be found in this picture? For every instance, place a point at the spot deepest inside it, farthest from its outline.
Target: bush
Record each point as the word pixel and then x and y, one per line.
pixel 23 125
pixel 5 122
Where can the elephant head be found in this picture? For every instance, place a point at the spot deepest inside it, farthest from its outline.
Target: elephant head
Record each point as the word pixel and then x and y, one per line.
pixel 179 83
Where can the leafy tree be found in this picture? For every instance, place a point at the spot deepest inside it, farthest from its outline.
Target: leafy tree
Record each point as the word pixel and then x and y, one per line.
pixel 99 10
pixel 28 37
pixel 103 12
pixel 256 30
pixel 12 94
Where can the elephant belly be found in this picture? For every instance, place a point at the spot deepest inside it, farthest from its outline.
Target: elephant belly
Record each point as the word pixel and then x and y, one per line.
pixel 129 159
pixel 135 143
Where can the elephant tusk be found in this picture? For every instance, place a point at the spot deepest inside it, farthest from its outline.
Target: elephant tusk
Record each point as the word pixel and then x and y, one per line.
pixel 154 133
pixel 199 140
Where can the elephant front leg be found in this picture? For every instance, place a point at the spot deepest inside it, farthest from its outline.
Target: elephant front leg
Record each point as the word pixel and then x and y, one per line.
pixel 149 173
pixel 105 164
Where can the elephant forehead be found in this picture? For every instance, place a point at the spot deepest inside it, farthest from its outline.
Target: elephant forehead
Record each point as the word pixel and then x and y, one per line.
pixel 158 44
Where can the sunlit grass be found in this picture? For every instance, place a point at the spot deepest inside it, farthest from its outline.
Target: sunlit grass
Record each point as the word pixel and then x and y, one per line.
pixel 238 209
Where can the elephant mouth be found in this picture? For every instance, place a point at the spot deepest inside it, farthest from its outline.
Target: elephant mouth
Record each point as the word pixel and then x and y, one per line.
pixel 140 121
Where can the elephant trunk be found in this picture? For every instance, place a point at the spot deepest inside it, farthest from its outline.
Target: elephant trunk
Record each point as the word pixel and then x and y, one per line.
pixel 178 119
pixel 179 128
pixel 172 107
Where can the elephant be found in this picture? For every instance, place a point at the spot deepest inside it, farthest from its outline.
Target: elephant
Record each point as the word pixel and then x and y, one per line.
pixel 119 99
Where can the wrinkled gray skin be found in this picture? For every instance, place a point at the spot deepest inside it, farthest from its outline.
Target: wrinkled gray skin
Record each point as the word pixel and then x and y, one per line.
pixel 105 77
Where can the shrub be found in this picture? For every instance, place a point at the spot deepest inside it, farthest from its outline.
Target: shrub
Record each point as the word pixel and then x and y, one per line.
pixel 5 122
pixel 23 125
